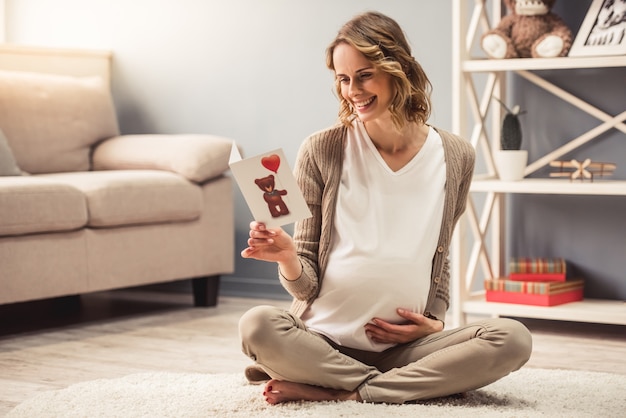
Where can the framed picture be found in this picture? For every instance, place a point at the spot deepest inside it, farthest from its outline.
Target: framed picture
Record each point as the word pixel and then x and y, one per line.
pixel 603 32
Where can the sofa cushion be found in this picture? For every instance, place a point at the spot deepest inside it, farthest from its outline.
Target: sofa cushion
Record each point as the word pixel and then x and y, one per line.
pixel 29 204
pixel 8 166
pixel 131 197
pixel 51 121
pixel 196 157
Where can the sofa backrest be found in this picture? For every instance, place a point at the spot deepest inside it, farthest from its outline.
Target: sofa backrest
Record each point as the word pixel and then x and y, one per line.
pixel 52 109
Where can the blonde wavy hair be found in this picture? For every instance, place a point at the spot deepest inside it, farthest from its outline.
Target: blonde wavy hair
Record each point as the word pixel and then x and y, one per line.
pixel 383 42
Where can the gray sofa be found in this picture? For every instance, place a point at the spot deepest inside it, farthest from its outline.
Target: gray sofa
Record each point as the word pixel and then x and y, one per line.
pixel 85 209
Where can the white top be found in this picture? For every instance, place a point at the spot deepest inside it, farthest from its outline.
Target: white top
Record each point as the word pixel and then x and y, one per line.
pixel 386 231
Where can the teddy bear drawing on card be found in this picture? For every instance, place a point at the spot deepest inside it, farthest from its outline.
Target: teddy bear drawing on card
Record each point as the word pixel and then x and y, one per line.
pixel 273 197
pixel 530 30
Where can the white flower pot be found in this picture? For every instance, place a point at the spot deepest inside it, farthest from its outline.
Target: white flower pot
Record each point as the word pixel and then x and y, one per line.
pixel 511 164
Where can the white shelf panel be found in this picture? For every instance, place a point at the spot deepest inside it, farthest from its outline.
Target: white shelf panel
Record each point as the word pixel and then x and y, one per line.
pixel 552 186
pixel 518 64
pixel 588 310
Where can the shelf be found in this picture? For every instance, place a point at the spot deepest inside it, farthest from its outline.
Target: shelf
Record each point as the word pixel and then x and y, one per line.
pixel 479 244
pixel 552 186
pixel 518 64
pixel 588 310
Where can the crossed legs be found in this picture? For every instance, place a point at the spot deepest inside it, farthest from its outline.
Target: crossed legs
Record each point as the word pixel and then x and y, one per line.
pixel 301 365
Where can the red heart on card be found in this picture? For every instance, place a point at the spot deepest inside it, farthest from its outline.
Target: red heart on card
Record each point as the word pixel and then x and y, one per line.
pixel 271 162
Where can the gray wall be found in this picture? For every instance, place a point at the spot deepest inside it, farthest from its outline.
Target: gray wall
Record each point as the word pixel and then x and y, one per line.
pixel 253 70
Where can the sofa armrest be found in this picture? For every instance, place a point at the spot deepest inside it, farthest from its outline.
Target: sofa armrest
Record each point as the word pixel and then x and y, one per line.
pixel 196 157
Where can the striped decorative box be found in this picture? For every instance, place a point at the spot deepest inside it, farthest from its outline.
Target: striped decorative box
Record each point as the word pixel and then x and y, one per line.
pixel 534 293
pixel 538 269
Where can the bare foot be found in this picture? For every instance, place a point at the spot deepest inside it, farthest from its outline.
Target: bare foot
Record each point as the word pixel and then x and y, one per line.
pixel 278 391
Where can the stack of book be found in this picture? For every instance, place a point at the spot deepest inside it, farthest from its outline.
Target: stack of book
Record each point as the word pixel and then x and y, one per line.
pixel 535 281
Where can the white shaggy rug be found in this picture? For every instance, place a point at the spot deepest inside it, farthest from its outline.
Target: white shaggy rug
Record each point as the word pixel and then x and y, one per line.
pixel 526 393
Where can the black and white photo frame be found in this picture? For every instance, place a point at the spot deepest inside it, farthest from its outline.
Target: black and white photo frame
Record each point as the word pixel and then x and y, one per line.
pixel 603 31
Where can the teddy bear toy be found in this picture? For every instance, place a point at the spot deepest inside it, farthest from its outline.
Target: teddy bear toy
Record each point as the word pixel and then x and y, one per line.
pixel 530 30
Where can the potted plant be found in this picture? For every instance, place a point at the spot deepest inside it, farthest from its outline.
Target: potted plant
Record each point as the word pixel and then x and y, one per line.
pixel 510 160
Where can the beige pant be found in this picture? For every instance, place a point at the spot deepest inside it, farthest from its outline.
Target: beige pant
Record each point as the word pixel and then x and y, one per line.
pixel 445 363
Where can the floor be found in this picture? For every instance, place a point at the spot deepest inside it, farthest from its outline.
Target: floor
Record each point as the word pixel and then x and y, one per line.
pixel 51 344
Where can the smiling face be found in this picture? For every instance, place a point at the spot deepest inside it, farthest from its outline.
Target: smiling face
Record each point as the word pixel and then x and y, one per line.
pixel 367 88
pixel 389 76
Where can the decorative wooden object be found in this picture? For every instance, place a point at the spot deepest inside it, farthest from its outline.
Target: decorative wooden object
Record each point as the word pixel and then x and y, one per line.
pixel 582 169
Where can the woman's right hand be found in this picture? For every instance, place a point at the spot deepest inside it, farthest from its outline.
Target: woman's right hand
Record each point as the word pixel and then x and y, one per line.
pixel 273 245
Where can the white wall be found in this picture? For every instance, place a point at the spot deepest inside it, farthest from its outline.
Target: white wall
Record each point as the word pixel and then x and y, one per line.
pixel 251 70
pixel 2 19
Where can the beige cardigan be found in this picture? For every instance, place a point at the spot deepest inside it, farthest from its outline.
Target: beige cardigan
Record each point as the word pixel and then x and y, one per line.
pixel 318 172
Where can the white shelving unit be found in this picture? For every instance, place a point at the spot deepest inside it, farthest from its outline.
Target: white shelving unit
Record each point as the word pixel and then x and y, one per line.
pixel 475 117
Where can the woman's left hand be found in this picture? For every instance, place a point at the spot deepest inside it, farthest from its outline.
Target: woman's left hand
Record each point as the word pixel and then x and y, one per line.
pixel 419 326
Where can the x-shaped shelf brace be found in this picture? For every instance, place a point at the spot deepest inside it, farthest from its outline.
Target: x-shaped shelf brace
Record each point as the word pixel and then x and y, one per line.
pixel 479 23
pixel 480 111
pixel 479 251
pixel 479 137
pixel 608 121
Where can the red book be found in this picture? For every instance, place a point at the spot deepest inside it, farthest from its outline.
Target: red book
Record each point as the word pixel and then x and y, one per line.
pixel 534 299
pixel 537 277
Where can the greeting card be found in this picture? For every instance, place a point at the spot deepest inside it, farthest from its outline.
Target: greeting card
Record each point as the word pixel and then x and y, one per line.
pixel 269 187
